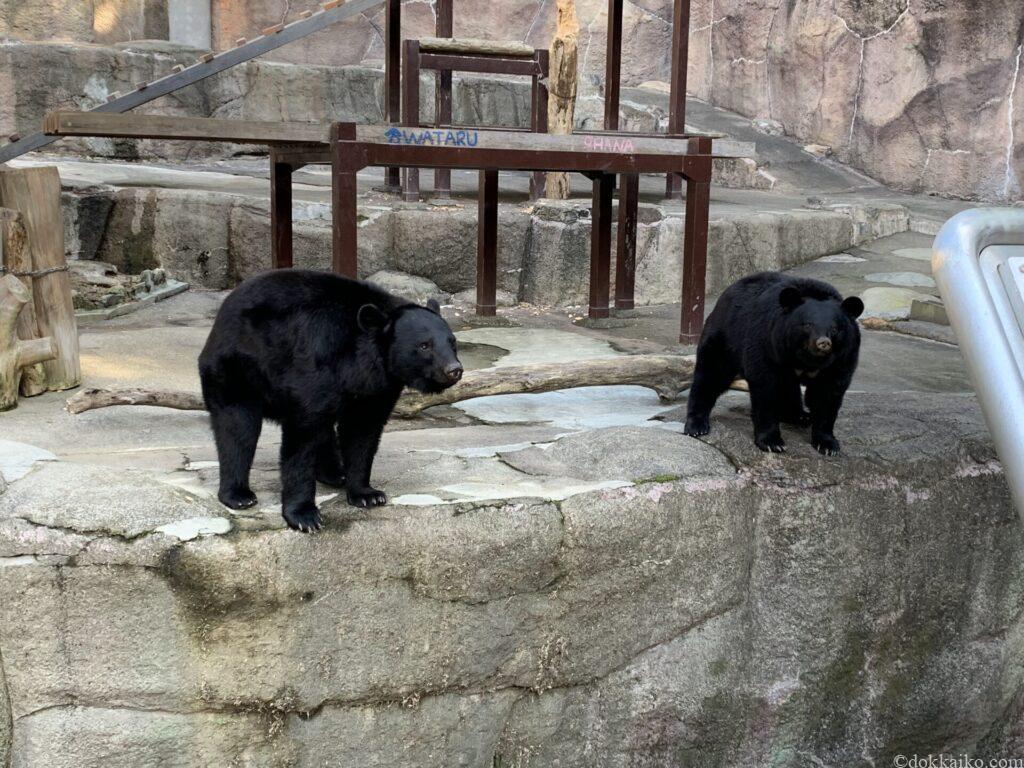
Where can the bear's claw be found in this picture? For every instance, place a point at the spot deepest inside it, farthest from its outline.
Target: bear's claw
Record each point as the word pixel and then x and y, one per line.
pixel 771 444
pixel 367 498
pixel 238 499
pixel 825 445
pixel 697 426
pixel 304 519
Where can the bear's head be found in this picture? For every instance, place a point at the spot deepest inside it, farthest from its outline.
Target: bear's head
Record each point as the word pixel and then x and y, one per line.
pixel 817 329
pixel 421 349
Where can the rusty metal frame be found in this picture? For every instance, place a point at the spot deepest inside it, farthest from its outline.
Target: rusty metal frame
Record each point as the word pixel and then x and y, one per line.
pixel 348 156
pixel 413 60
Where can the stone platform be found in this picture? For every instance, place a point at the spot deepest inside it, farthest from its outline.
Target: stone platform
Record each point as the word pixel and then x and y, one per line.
pixel 560 579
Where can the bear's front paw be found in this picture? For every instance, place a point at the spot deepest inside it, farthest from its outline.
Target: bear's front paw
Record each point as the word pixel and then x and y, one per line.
pixel 826 445
pixel 367 497
pixel 305 518
pixel 697 426
pixel 771 442
pixel 237 498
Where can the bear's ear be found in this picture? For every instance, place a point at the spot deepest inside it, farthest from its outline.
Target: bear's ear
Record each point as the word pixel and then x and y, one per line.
pixel 371 318
pixel 854 307
pixel 790 298
pixel 433 306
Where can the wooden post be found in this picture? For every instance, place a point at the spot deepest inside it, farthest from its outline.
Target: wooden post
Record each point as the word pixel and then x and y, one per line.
pixel 487 245
pixel 601 245
pixel 344 202
pixel 393 80
pixel 563 81
pixel 16 354
pixel 539 114
pixel 444 27
pixel 16 258
pixel 280 213
pixel 677 92
pixel 35 192
pixel 625 252
pixel 695 246
pixel 411 110
pixel 613 66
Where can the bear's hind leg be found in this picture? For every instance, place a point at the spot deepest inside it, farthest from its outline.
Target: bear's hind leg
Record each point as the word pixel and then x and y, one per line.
pixel 236 430
pixel 764 405
pixel 792 403
pixel 713 375
pixel 329 469
pixel 298 477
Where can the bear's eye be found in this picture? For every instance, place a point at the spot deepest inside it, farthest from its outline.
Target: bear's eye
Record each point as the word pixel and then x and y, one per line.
pixel 426 346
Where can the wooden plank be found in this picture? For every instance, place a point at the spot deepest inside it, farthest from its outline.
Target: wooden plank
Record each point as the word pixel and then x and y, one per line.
pixel 281 133
pixel 591 143
pixel 186 128
pixel 36 193
pixel 200 71
pixel 472 45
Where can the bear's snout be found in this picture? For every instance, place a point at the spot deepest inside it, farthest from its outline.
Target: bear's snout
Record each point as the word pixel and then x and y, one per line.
pixel 823 345
pixel 453 372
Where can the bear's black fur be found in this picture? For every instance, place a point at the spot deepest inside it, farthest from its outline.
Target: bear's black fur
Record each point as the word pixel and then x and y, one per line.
pixel 779 332
pixel 327 357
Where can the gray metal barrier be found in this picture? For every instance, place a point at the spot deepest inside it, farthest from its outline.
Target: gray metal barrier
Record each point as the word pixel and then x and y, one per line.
pixel 978 263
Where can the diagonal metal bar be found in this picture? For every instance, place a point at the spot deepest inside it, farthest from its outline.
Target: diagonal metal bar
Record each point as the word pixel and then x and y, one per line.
pixel 204 69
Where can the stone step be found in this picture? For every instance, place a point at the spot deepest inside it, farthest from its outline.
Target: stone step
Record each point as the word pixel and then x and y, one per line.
pixel 212 229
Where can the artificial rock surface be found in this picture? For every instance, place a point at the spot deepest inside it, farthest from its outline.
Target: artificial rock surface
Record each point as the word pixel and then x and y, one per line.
pixel 721 608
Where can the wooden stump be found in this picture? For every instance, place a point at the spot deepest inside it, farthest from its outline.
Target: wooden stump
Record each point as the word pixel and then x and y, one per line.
pixel 16 258
pixel 16 354
pixel 563 79
pixel 35 193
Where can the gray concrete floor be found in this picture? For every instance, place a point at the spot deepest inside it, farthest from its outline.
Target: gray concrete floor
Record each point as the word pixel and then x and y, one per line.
pixel 157 346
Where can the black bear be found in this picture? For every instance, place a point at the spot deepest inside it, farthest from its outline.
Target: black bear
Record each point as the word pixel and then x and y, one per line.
pixel 779 332
pixel 327 358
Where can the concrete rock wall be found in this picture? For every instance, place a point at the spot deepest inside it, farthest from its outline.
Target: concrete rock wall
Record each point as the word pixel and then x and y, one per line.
pixel 924 95
pixel 84 21
pixel 757 612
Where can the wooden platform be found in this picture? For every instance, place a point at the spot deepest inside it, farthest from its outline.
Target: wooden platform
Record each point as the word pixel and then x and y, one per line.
pixel 349 148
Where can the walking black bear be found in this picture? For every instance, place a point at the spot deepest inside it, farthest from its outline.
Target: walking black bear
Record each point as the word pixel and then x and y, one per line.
pixel 779 332
pixel 327 357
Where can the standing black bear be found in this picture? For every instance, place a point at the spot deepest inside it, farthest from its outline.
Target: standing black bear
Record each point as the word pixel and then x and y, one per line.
pixel 779 332
pixel 327 357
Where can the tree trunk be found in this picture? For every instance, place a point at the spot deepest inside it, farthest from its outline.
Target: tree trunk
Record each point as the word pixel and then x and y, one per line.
pixel 16 258
pixel 563 79
pixel 668 375
pixel 35 193
pixel 16 354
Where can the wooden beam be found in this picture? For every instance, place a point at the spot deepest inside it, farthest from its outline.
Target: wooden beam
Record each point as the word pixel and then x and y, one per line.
pixel 187 128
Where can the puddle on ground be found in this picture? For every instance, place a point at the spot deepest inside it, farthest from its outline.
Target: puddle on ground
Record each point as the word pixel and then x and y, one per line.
pixel 533 346
pixel 570 409
pixel 476 356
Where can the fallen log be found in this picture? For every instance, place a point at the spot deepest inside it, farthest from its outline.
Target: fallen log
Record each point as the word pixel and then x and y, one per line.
pixel 665 374
pixel 16 353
